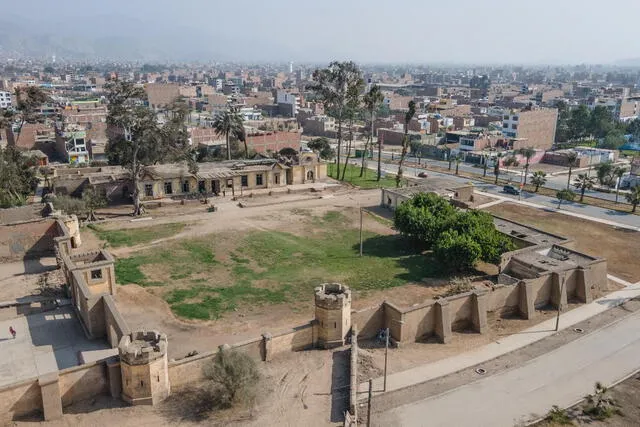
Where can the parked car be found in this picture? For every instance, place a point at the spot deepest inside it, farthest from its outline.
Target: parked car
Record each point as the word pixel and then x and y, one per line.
pixel 422 175
pixel 510 189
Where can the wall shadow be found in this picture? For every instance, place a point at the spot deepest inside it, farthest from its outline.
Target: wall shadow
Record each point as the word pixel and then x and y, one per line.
pixel 340 385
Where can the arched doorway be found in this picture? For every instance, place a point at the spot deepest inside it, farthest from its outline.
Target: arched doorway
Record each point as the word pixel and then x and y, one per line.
pixel 310 176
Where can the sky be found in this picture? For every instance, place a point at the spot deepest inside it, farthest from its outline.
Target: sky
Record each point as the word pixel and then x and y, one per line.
pixel 366 31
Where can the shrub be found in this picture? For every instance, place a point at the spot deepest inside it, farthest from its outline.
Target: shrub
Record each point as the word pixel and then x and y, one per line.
pixel 599 405
pixel 69 205
pixel 456 252
pixel 558 415
pixel 459 285
pixel 233 378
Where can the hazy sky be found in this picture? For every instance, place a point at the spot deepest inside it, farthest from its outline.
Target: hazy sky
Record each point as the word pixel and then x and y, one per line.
pixel 495 31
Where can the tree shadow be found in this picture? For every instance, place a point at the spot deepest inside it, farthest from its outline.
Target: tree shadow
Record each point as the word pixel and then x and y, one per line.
pixel 190 404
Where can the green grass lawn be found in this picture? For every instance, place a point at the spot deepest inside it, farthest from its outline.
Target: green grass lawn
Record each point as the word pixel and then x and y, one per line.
pixel 267 267
pixel 136 236
pixel 352 176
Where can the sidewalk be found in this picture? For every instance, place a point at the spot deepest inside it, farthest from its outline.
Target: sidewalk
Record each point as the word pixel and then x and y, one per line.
pixel 508 344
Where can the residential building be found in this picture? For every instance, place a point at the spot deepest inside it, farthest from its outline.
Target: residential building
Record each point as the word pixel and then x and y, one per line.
pixel 288 103
pixel 5 99
pixel 320 126
pixel 160 95
pixel 72 146
pixel 396 136
pixel 478 141
pixel 536 125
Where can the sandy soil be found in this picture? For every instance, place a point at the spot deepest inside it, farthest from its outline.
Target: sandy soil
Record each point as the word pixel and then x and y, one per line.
pixel 620 247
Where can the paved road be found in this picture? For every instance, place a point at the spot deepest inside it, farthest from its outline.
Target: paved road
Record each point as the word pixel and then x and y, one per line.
pixel 549 202
pixel 561 377
pixel 558 182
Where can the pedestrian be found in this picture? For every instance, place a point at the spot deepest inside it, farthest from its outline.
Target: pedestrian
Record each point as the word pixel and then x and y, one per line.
pixel 224 193
pixel 12 332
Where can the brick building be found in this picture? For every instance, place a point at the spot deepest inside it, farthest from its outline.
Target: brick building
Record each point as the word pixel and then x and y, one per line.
pixel 536 125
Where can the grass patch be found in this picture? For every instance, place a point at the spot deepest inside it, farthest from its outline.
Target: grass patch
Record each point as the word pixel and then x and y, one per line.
pixel 136 236
pixel 368 180
pixel 273 267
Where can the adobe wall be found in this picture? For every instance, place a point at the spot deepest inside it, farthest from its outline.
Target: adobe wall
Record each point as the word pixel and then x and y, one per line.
pixel 296 339
pixel 31 239
pixel 461 311
pixel 503 299
pixel 418 321
pixel 369 321
pixel 115 325
pixel 19 399
pixel 82 382
pixel 188 370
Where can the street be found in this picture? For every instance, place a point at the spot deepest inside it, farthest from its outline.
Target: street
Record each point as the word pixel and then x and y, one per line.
pixel 548 202
pixel 556 182
pixel 561 377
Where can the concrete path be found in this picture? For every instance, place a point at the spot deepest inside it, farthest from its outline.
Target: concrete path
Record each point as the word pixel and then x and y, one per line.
pixel 505 345
pixel 561 377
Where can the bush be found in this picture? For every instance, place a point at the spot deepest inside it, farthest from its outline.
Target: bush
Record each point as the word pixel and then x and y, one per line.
pixel 456 252
pixel 558 415
pixel 599 405
pixel 459 285
pixel 69 205
pixel 233 378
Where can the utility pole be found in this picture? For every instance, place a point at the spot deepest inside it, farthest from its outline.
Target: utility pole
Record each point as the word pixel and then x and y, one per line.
pixel 369 403
pixel 386 351
pixel 559 304
pixel 360 230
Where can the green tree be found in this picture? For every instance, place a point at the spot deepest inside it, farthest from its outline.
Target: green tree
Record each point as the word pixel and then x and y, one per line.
pixel 372 101
pixel 230 124
pixel 572 159
pixel 405 140
pixel 458 160
pixel 18 177
pixel 565 195
pixel 528 153
pixel 496 167
pixel 604 173
pixel 322 147
pixel 511 161
pixel 562 127
pixel 136 138
pixel 613 140
pixel 579 122
pixel 336 86
pixel 233 378
pixel 618 173
pixel 633 197
pixel 456 252
pixel 584 183
pixel 29 99
pixel 93 200
pixel 600 122
pixel 538 179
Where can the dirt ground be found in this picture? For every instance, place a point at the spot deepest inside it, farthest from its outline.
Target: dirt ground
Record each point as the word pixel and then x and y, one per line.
pixel 619 246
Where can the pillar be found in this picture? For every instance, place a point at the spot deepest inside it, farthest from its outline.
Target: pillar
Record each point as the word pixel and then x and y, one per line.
pixel 114 375
pixel 527 300
pixel 267 349
pixel 559 290
pixel 443 321
pixel 479 311
pixel 583 288
pixel 51 400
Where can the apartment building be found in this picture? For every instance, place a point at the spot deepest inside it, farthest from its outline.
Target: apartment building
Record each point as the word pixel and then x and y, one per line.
pixel 5 99
pixel 535 125
pixel 72 145
pixel 320 126
pixel 288 103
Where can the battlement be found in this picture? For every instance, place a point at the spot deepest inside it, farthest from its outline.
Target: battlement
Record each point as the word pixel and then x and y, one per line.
pixel 332 296
pixel 142 347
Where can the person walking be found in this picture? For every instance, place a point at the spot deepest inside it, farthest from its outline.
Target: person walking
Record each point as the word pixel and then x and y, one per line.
pixel 12 332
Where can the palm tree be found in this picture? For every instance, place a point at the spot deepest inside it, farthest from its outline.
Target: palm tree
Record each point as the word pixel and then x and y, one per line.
pixel 372 101
pixel 538 178
pixel 583 183
pixel 633 197
pixel 485 159
pixel 618 172
pixel 528 153
pixel 229 123
pixel 572 158
pixel 604 172
pixel 565 194
pixel 496 167
pixel 405 140
pixel 457 159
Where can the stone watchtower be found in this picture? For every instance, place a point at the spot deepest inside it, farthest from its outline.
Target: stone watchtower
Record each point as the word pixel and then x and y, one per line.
pixel 333 314
pixel 143 363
